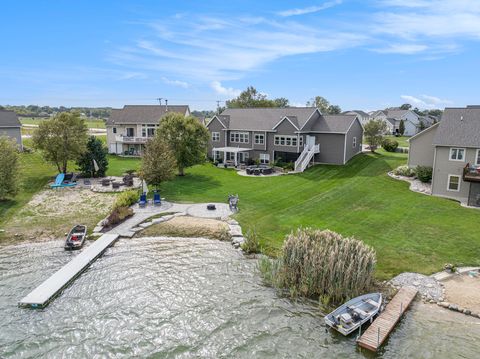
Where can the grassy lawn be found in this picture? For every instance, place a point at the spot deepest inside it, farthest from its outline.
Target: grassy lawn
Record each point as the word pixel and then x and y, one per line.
pixel 35 121
pixel 410 231
pixel 402 140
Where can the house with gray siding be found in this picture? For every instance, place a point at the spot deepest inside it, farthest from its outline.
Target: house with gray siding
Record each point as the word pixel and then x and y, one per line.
pixel 129 128
pixel 452 148
pixel 294 134
pixel 393 117
pixel 11 127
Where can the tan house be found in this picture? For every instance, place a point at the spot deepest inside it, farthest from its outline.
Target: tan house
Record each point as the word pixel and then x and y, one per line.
pixel 452 148
pixel 129 128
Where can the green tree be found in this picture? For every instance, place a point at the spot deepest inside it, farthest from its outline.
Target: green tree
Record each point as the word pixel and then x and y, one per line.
pixel 422 126
pixel 252 98
pixel 95 151
pixel 324 106
pixel 9 167
pixel 158 161
pixel 186 137
pixel 61 139
pixel 401 127
pixel 406 106
pixel 373 132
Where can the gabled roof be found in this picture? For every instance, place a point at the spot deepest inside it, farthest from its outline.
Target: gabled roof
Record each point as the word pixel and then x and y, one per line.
pixel 459 127
pixel 265 119
pixel 333 123
pixel 435 125
pixel 358 112
pixel 134 114
pixel 397 113
pixel 9 119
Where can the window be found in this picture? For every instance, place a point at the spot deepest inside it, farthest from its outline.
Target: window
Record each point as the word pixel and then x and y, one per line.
pixel 453 183
pixel 114 130
pixel 239 137
pixel 264 158
pixel 130 132
pixel 215 136
pixel 259 139
pixel 354 142
pixel 457 154
pixel 477 162
pixel 287 140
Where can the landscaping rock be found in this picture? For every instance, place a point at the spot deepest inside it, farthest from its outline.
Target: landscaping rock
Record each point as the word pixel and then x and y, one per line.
pixel 239 240
pixel 453 307
pixel 235 230
pixel 145 224
pixel 232 222
pixel 428 287
pixel 98 229
pixel 158 220
pixel 137 229
pixel 168 217
pixel 444 304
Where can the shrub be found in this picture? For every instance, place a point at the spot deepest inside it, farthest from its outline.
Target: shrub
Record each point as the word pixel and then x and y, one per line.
pixel 424 173
pixel 322 264
pixel 404 171
pixel 251 244
pixel 126 199
pixel 389 145
pixel 9 168
pixel 119 214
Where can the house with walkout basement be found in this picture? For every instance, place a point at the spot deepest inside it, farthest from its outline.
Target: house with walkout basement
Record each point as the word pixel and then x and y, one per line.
pixel 11 127
pixel 452 148
pixel 129 128
pixel 302 135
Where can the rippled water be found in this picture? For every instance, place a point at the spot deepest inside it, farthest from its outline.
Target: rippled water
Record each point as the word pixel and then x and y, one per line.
pixel 185 298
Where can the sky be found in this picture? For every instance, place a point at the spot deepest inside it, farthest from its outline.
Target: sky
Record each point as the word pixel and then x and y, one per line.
pixel 367 54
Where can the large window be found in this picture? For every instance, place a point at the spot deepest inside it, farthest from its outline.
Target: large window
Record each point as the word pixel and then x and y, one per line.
pixel 148 130
pixel 239 137
pixel 477 162
pixel 457 154
pixel 259 139
pixel 453 183
pixel 215 136
pixel 287 140
pixel 264 158
pixel 130 132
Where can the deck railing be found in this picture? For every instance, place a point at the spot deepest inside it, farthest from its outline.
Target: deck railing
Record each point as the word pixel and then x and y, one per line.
pixel 471 173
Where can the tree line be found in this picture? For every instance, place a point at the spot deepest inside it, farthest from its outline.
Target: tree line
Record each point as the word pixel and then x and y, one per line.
pixel 47 111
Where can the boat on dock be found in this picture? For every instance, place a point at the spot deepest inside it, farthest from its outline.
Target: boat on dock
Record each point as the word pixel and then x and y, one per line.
pixel 76 237
pixel 353 314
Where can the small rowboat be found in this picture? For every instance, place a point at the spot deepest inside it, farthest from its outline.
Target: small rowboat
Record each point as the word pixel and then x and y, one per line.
pixel 76 237
pixel 353 314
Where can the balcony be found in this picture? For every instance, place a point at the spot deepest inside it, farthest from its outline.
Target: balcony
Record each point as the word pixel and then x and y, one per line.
pixel 128 139
pixel 471 173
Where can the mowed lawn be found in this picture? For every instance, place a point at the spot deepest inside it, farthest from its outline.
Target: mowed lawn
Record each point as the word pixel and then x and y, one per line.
pixel 91 123
pixel 409 231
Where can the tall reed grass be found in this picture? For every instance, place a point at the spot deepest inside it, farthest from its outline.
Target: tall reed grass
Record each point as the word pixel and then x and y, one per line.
pixel 322 264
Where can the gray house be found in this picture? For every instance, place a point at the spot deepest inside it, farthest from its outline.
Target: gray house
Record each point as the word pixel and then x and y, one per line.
pixel 10 126
pixel 129 128
pixel 294 134
pixel 452 148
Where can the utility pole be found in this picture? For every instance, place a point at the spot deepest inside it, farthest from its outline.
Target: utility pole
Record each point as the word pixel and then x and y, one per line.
pixel 166 105
pixel 160 101
pixel 218 105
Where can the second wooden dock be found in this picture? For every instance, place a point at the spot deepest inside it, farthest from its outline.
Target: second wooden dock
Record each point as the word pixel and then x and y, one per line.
pixel 378 332
pixel 45 292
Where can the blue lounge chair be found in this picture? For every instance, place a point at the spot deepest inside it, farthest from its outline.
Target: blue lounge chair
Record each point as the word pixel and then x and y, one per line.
pixel 143 200
pixel 156 199
pixel 61 182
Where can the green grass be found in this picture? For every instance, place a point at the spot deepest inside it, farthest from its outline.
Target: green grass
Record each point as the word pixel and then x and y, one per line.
pixel 35 121
pixel 409 231
pixel 402 140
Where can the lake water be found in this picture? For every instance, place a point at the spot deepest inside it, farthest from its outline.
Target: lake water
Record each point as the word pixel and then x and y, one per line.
pixel 186 298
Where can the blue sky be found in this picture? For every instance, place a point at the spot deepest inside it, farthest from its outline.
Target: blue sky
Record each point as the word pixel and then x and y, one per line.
pixel 358 54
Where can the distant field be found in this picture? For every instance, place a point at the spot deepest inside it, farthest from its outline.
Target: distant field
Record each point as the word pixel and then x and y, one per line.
pixel 36 120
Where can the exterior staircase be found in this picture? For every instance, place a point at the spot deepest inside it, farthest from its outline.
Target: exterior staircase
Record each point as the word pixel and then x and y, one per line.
pixel 305 157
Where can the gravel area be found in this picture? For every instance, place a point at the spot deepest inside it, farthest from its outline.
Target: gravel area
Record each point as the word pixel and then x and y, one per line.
pixel 427 286
pixel 415 184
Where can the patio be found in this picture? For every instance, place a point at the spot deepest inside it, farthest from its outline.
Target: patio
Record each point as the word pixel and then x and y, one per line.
pixel 235 150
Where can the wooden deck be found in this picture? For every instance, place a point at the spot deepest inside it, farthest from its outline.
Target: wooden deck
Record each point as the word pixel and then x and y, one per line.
pixel 378 332
pixel 45 292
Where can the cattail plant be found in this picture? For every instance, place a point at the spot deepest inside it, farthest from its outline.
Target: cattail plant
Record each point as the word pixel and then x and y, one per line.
pixel 322 264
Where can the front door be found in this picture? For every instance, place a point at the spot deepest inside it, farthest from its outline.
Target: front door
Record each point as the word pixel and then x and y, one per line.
pixel 310 141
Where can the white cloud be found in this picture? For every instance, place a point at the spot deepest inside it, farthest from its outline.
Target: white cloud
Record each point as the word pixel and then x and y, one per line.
pixel 426 101
pixel 224 91
pixel 406 49
pixel 309 9
pixel 178 83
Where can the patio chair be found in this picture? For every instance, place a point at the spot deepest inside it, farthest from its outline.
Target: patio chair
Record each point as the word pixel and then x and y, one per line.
pixel 233 202
pixel 143 200
pixel 156 199
pixel 115 185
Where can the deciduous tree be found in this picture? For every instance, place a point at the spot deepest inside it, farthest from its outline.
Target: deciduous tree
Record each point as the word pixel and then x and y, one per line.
pixel 401 127
pixel 158 161
pixel 373 132
pixel 252 98
pixel 9 168
pixel 186 137
pixel 324 106
pixel 61 139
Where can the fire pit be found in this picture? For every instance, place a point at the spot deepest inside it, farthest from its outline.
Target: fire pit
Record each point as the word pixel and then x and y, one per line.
pixel 258 170
pixel 211 207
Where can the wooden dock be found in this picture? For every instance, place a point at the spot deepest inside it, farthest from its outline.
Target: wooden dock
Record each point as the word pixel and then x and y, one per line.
pixel 41 296
pixel 379 330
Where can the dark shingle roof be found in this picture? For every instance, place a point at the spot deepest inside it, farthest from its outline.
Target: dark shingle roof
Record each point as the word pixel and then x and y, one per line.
pixel 131 114
pixel 459 127
pixel 9 119
pixel 265 119
pixel 396 113
pixel 333 123
pixel 359 112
